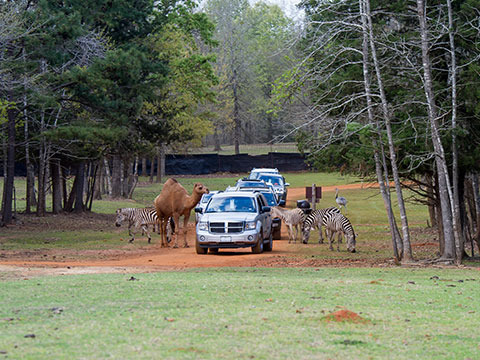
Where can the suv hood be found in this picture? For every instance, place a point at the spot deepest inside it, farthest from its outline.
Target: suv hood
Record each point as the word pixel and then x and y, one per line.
pixel 228 216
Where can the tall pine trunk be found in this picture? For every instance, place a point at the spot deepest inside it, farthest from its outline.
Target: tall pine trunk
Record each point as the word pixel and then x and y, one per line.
pixel 56 186
pixel 7 214
pixel 407 249
pixel 117 177
pixel 443 186
pixel 78 206
pixel 378 166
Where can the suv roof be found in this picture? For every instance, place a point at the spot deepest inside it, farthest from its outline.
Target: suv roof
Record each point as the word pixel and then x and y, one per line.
pixel 267 170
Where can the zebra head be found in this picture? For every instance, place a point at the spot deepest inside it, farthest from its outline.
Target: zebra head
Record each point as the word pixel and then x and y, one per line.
pixel 120 217
pixel 351 242
pixel 306 233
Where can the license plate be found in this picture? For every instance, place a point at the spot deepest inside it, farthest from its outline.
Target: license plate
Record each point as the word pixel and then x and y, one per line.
pixel 226 239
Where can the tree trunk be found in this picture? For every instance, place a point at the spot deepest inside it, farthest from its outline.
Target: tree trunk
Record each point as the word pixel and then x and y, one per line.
pixel 457 228
pixel 216 140
pixel 98 188
pixel 431 200
pixel 152 168
pixel 7 215
pixel 443 181
pixel 56 186
pixel 117 177
pixel 378 166
pixel 236 114
pixel 407 250
pixel 476 196
pixel 80 180
pixel 163 154
pixel 159 164
pixel 144 166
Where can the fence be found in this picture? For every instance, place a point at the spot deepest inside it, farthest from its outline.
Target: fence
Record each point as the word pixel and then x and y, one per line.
pixel 213 163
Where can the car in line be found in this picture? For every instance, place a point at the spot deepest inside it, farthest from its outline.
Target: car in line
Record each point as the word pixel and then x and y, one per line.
pixel 255 173
pixel 235 219
pixel 278 183
pixel 202 204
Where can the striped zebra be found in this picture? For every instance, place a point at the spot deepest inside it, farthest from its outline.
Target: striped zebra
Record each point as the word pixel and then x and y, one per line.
pixel 291 218
pixel 316 219
pixel 338 223
pixel 141 217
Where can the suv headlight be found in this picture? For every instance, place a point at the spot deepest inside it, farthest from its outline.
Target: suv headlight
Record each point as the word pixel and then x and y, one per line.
pixel 250 225
pixel 202 225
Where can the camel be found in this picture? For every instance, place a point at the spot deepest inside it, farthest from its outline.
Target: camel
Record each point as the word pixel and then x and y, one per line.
pixel 174 201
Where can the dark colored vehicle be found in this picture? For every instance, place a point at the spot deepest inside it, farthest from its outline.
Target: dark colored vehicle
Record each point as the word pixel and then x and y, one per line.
pixel 278 183
pixel 272 201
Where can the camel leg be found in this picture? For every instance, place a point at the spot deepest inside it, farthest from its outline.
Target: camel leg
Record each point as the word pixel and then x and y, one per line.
pixel 163 232
pixel 176 217
pixel 185 223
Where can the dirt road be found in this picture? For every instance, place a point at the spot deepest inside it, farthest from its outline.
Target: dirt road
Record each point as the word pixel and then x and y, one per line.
pixel 157 258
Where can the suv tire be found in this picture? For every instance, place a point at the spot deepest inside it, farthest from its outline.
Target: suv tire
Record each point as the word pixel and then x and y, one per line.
pixel 269 245
pixel 200 250
pixel 258 248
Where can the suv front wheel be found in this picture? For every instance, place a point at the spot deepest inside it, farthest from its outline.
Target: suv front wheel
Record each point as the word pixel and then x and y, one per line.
pixel 200 250
pixel 258 248
pixel 269 245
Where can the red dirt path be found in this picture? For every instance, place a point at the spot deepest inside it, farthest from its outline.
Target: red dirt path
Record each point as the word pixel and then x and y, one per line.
pixel 156 258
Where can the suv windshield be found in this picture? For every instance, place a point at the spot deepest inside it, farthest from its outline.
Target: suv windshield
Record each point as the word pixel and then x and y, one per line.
pixel 270 198
pixel 275 180
pixel 231 204
pixel 206 197
pixel 253 184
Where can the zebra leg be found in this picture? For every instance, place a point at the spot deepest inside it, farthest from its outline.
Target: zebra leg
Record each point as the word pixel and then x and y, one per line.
pixel 133 235
pixel 320 234
pixel 330 234
pixel 289 230
pixel 339 240
pixel 145 228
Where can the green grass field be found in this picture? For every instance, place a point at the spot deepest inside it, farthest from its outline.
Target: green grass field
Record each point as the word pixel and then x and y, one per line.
pixel 243 313
pixel 251 149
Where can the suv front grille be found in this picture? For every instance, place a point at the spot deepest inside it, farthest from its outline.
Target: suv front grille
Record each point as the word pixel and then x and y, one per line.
pixel 223 228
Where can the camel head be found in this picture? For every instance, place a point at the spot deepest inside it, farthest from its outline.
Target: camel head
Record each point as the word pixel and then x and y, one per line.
pixel 200 189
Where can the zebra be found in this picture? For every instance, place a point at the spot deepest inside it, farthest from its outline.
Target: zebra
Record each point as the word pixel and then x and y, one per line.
pixel 316 219
pixel 339 223
pixel 142 217
pixel 291 218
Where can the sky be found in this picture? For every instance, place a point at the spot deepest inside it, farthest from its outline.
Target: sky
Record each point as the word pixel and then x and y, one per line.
pixel 288 6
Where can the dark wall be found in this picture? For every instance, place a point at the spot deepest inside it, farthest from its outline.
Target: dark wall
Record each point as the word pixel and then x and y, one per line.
pixel 213 163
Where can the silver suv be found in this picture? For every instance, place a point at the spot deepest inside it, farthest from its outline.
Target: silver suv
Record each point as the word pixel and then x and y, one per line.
pixel 235 219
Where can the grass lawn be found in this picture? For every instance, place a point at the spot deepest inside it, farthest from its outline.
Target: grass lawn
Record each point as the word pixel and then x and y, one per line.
pixel 251 149
pixel 243 313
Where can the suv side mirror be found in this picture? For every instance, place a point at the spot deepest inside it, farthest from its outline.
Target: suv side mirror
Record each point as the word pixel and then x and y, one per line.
pixel 281 203
pixel 266 209
pixel 199 210
pixel 287 184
